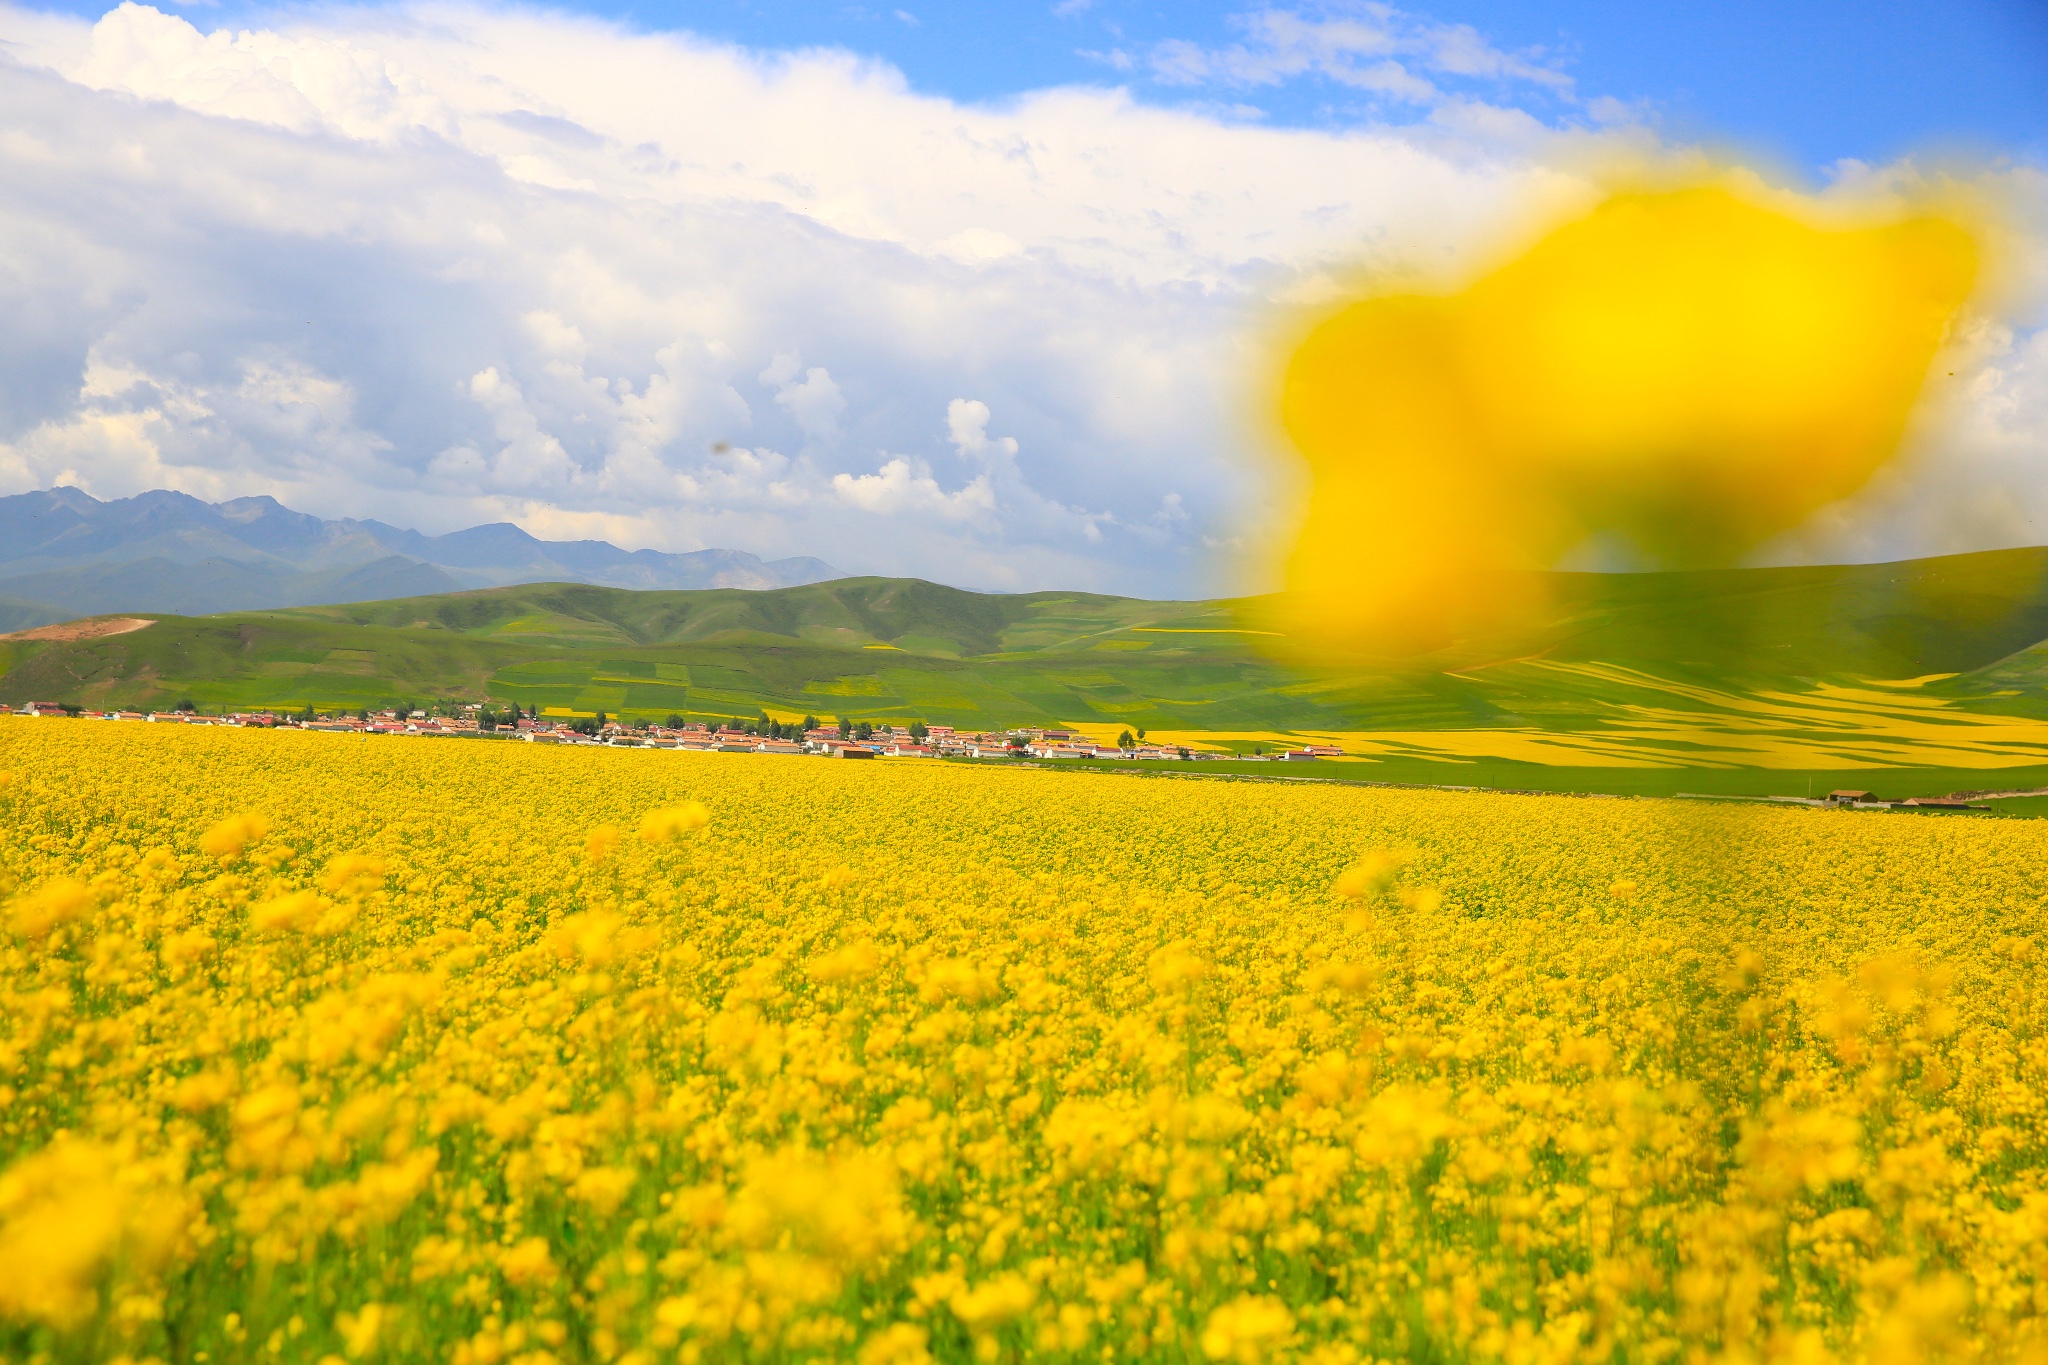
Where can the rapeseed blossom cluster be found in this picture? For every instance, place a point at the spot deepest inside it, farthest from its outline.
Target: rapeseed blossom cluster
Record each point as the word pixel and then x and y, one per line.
pixel 328 1049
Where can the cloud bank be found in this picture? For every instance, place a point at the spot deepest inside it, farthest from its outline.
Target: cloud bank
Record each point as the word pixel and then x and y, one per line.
pixel 447 264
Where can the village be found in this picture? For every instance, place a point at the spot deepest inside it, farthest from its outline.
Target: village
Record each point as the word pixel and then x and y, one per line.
pixel 846 739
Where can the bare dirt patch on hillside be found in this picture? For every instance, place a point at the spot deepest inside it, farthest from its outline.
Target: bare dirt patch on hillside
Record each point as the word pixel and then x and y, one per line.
pixel 82 630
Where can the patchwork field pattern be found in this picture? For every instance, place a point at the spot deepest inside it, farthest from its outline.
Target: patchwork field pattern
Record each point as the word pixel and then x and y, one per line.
pixel 1628 718
pixel 314 1048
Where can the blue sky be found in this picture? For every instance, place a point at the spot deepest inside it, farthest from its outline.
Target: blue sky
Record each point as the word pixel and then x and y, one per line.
pixel 1801 82
pixel 1813 82
pixel 1809 82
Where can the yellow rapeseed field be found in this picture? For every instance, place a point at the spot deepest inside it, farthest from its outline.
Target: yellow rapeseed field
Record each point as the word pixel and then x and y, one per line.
pixel 328 1048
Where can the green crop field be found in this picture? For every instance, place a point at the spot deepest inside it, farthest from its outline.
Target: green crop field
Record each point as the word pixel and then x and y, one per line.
pixel 1759 680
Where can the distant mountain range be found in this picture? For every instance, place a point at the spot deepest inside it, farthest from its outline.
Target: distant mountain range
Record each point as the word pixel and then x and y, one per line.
pixel 65 554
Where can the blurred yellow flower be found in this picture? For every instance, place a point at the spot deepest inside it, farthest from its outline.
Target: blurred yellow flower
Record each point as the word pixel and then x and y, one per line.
pixel 659 826
pixel 1372 875
pixel 601 843
pixel 227 839
pixel 1247 1329
pixel 57 901
pixel 352 874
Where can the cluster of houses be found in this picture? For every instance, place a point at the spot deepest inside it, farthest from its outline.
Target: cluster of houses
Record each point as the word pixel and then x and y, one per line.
pixel 879 741
pixel 1863 800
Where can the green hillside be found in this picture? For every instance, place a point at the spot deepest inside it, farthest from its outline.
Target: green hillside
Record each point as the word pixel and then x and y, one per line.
pixel 1950 614
pixel 1734 667
pixel 869 648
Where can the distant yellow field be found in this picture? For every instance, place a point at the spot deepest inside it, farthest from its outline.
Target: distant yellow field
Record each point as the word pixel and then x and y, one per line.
pixel 1660 723
pixel 324 1048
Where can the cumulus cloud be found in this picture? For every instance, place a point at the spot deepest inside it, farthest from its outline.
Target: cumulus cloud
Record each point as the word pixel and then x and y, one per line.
pixel 901 486
pixel 967 425
pixel 439 263
pixel 814 402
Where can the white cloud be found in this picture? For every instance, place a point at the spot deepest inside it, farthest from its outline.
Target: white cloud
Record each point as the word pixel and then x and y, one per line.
pixel 814 402
pixel 976 245
pixel 1370 47
pixel 442 264
pixel 967 426
pixel 529 459
pixel 900 486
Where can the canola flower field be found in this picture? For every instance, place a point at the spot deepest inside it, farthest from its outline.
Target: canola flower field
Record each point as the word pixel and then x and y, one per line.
pixel 320 1048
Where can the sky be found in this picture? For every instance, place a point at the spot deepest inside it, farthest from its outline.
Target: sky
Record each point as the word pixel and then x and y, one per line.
pixel 980 293
pixel 1803 82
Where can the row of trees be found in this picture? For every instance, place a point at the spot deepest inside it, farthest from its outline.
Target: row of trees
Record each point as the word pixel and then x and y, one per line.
pixel 863 730
pixel 775 729
pixel 762 725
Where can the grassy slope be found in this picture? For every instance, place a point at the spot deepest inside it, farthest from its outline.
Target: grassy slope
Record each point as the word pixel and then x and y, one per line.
pixel 1501 775
pixel 895 649
pixel 1950 614
pixel 865 647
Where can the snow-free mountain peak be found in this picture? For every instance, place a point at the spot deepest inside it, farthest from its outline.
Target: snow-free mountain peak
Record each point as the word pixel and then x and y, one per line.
pixel 65 553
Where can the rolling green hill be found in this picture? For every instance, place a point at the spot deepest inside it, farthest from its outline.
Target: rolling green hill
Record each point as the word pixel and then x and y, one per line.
pixel 877 648
pixel 1757 667
pixel 1950 614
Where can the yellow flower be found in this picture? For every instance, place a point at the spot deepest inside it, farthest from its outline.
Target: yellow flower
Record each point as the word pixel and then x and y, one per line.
pixel 1175 968
pixel 204 1090
pixel 57 901
pixel 601 843
pixel 293 910
pixel 1372 875
pixel 1247 1329
pixel 63 1218
pixel 227 839
pixel 959 978
pixel 1786 1151
pixel 856 959
pixel 181 951
pixel 1402 1124
pixel 993 1301
pixel 1924 1324
pixel 604 1188
pixel 848 1210
pixel 361 1329
pixel 352 874
pixel 267 1130
pixel 900 1343
pixel 527 1263
pixel 659 826
pixel 72 1212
